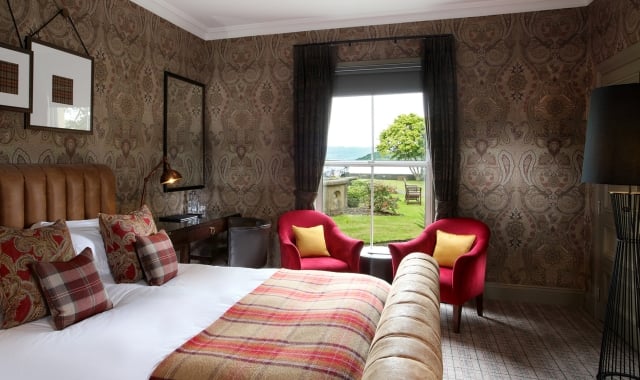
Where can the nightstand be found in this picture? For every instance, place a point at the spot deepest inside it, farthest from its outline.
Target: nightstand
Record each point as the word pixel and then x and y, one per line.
pixel 185 235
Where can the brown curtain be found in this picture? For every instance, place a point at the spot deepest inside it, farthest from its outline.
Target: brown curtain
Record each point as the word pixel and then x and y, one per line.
pixel 314 68
pixel 440 104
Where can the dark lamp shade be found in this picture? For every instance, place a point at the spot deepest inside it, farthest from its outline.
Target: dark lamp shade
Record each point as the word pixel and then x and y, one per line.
pixel 612 146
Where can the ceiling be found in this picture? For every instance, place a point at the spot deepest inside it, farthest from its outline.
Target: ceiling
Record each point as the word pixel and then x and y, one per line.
pixel 219 19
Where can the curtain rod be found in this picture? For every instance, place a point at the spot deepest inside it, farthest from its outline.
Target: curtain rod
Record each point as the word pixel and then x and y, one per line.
pixel 375 39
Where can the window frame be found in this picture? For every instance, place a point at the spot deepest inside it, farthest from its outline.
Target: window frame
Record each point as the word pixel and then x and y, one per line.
pixel 429 197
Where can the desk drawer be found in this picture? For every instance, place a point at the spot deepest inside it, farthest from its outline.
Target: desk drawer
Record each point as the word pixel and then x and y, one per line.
pixel 183 238
pixel 197 232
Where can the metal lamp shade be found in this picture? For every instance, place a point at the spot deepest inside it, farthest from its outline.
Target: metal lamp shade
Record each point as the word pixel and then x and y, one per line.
pixel 169 175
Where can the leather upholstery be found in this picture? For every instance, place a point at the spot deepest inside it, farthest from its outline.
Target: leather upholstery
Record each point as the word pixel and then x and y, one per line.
pixel 248 242
pixel 466 279
pixel 407 343
pixel 33 193
pixel 344 250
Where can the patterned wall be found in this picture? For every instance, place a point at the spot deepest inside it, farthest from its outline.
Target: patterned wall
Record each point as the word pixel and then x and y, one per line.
pixel 523 84
pixel 522 87
pixel 131 49
pixel 615 25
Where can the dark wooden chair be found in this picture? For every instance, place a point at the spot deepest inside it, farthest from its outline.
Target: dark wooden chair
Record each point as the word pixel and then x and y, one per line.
pixel 412 193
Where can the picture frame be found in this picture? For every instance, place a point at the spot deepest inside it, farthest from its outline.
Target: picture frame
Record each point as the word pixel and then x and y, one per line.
pixel 16 73
pixel 62 93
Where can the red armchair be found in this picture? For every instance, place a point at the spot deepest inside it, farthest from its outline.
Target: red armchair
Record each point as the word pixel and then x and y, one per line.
pixel 344 250
pixel 465 280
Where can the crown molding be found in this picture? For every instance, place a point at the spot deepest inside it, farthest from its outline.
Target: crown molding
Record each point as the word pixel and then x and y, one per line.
pixel 173 14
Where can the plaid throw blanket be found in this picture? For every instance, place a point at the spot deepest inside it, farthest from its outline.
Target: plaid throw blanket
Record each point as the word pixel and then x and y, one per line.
pixel 296 325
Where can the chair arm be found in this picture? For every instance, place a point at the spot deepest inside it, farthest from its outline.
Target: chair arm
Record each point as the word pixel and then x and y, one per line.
pixel 401 249
pixel 290 256
pixel 469 273
pixel 345 248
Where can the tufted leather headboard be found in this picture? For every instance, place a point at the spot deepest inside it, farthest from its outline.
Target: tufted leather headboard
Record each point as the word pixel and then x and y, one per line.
pixel 32 193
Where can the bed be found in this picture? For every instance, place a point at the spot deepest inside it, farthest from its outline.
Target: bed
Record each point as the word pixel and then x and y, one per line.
pixel 208 321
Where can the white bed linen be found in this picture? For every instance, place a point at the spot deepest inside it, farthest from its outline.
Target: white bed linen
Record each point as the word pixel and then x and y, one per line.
pixel 127 342
pixel 86 233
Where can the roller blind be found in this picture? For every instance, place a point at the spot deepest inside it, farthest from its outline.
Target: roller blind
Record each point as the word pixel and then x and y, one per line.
pixel 377 77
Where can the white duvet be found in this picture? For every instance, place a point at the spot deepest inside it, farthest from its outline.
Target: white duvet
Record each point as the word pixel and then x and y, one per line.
pixel 146 324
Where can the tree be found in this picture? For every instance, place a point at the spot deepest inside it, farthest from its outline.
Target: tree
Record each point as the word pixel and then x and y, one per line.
pixel 404 140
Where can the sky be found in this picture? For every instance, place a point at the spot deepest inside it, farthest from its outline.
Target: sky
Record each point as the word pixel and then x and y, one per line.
pixel 351 117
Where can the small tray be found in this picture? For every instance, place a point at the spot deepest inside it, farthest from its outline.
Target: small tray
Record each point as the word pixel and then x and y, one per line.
pixel 179 217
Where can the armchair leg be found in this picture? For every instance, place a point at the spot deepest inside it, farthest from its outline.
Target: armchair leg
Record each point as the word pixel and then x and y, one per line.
pixel 479 304
pixel 457 315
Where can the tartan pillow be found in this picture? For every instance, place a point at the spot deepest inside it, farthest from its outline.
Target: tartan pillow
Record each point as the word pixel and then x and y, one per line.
pixel 157 257
pixel 20 297
pixel 119 233
pixel 73 289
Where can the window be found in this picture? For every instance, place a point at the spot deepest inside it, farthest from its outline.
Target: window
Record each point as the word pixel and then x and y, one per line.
pixel 368 99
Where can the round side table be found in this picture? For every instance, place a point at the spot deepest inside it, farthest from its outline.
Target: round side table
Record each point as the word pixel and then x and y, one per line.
pixel 377 264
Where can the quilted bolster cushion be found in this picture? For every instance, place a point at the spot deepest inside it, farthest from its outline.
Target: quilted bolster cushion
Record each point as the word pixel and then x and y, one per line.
pixel 407 341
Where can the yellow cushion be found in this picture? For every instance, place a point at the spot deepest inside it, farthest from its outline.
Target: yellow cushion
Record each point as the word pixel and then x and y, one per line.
pixel 451 246
pixel 310 241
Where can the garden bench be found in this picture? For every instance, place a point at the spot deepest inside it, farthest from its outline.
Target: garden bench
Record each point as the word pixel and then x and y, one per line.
pixel 412 193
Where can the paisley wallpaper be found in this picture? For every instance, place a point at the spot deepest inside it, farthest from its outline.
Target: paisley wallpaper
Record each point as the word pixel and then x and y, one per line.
pixel 131 49
pixel 523 79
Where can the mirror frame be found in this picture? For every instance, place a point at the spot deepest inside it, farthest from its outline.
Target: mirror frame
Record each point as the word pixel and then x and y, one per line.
pixel 179 155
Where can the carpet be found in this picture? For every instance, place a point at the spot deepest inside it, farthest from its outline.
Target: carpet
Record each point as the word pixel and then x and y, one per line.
pixel 520 341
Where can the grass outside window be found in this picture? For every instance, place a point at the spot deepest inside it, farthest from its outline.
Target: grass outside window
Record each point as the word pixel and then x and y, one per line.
pixel 405 225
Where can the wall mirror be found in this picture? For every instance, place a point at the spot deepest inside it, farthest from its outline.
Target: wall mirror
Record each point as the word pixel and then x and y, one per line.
pixel 184 130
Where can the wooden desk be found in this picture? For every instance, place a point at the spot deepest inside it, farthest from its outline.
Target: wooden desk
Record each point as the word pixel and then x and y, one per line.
pixel 184 234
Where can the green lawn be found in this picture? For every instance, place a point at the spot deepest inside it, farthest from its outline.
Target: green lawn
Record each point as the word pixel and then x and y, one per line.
pixel 387 228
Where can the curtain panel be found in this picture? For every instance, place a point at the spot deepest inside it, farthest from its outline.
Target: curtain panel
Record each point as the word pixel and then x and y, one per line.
pixel 440 104
pixel 313 73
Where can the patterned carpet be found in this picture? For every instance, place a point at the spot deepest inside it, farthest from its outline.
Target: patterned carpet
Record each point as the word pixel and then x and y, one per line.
pixel 520 341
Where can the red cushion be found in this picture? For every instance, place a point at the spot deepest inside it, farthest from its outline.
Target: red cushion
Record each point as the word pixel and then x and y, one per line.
pixel 20 297
pixel 157 257
pixel 73 289
pixel 119 234
pixel 324 263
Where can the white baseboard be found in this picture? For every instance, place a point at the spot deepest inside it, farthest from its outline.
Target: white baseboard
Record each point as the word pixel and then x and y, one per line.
pixel 536 294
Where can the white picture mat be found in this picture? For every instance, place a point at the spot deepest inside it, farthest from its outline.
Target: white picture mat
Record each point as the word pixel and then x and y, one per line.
pixel 23 60
pixel 49 61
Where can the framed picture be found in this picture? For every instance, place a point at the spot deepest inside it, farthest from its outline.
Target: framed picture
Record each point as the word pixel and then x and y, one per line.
pixel 62 88
pixel 15 78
